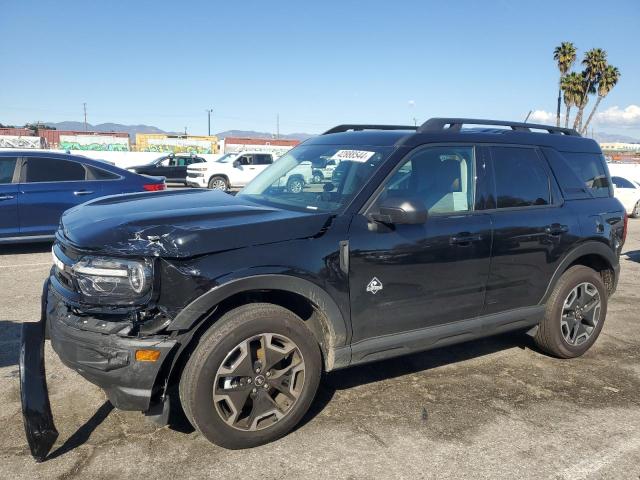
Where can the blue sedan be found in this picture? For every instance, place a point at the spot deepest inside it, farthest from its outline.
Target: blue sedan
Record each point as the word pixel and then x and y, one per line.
pixel 37 186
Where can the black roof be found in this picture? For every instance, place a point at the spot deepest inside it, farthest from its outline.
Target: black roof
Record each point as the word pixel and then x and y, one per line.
pixel 452 129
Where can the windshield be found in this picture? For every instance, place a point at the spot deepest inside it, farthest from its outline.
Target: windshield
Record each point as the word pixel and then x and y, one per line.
pixel 227 158
pixel 294 180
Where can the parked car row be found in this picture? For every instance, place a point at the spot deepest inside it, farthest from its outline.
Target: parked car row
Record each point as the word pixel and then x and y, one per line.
pixel 37 186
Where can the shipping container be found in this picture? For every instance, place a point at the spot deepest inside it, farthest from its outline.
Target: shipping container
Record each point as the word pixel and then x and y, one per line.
pixel 241 144
pixel 162 143
pixel 18 132
pixel 52 137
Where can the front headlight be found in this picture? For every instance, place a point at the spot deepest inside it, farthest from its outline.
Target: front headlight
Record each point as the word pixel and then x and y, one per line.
pixel 113 280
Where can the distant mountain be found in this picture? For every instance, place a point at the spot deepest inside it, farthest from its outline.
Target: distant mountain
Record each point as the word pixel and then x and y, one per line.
pixel 614 137
pixel 133 129
pixel 107 127
pixel 254 134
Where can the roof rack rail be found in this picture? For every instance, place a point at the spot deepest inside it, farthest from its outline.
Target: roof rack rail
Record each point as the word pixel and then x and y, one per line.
pixel 455 125
pixel 356 127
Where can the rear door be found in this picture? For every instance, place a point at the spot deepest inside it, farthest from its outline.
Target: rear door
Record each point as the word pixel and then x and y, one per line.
pixel 9 224
pixel 48 187
pixel 532 228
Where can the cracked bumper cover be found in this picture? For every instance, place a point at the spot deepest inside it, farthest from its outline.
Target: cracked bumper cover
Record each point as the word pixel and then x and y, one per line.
pixel 106 359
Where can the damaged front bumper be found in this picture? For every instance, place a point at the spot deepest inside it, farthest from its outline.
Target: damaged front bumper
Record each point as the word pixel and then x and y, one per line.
pixel 97 350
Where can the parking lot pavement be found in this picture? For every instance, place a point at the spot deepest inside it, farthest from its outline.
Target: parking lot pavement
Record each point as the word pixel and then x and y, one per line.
pixel 495 408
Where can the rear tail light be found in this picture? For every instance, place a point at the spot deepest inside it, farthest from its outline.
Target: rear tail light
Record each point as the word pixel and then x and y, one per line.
pixel 154 187
pixel 624 227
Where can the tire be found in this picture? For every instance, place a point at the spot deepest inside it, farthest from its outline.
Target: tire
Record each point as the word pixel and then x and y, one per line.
pixel 318 177
pixel 218 182
pixel 295 185
pixel 201 381
pixel 559 331
pixel 635 213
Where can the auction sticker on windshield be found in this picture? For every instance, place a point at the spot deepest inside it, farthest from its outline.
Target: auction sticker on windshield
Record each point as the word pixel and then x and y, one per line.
pixel 352 155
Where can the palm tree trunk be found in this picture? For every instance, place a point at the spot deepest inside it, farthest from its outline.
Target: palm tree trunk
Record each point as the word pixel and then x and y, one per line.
pixel 577 124
pixel 559 103
pixel 566 119
pixel 586 124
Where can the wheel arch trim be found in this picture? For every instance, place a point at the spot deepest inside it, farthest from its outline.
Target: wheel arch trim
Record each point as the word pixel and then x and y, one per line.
pixel 335 323
pixel 590 247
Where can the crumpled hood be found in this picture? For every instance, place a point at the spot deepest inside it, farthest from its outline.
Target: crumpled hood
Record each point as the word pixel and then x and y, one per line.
pixel 182 223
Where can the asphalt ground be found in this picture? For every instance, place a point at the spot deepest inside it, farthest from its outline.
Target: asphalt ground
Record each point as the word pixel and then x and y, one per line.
pixel 495 408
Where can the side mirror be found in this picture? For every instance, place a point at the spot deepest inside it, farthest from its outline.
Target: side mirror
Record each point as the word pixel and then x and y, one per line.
pixel 401 211
pixel 236 164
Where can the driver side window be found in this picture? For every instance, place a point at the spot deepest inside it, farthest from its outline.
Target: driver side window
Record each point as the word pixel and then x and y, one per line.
pixel 441 177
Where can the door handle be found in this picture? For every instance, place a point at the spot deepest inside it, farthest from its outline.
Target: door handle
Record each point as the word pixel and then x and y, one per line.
pixel 82 192
pixel 6 197
pixel 464 239
pixel 556 229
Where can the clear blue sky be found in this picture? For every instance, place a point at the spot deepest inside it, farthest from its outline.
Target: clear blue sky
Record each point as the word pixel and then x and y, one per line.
pixel 315 63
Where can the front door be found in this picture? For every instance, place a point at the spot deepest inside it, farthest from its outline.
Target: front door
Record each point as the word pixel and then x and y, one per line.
pixel 9 224
pixel 408 277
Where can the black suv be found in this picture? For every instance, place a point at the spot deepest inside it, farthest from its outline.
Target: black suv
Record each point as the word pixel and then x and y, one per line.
pixel 233 306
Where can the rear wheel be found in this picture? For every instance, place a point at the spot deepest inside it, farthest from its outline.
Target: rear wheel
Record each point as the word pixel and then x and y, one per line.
pixel 218 182
pixel 574 314
pixel 252 377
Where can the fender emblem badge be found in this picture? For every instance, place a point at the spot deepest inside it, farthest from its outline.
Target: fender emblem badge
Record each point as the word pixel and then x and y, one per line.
pixel 374 286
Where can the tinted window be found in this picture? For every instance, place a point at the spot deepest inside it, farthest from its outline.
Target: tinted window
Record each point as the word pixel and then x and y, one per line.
pixel 442 177
pixel 590 168
pixel 620 182
pixel 7 166
pixel 94 173
pixel 245 160
pixel 520 178
pixel 53 170
pixel 263 159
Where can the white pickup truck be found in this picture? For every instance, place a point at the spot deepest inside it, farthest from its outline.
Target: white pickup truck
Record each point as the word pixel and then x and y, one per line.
pixel 234 170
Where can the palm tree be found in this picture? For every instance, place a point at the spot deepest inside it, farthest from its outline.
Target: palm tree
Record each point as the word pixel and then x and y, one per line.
pixel 595 62
pixel 572 89
pixel 608 79
pixel 565 56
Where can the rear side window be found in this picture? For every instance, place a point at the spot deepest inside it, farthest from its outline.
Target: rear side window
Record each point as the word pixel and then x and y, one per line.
pixel 7 167
pixel 620 182
pixel 520 178
pixel 53 170
pixel 590 169
pixel 94 173
pixel 263 159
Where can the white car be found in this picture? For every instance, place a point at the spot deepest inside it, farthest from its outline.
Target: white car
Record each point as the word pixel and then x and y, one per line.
pixel 235 170
pixel 628 192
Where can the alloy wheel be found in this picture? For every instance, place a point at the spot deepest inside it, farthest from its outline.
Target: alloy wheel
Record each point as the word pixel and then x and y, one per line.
pixel 259 382
pixel 580 314
pixel 218 184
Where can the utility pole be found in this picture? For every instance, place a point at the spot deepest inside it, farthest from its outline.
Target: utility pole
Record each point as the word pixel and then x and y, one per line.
pixel 209 112
pixel 415 122
pixel 185 130
pixel 277 126
pixel 85 115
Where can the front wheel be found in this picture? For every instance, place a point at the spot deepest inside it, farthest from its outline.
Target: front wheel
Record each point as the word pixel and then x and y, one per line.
pixel 636 210
pixel 252 377
pixel 218 183
pixel 295 185
pixel 574 314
